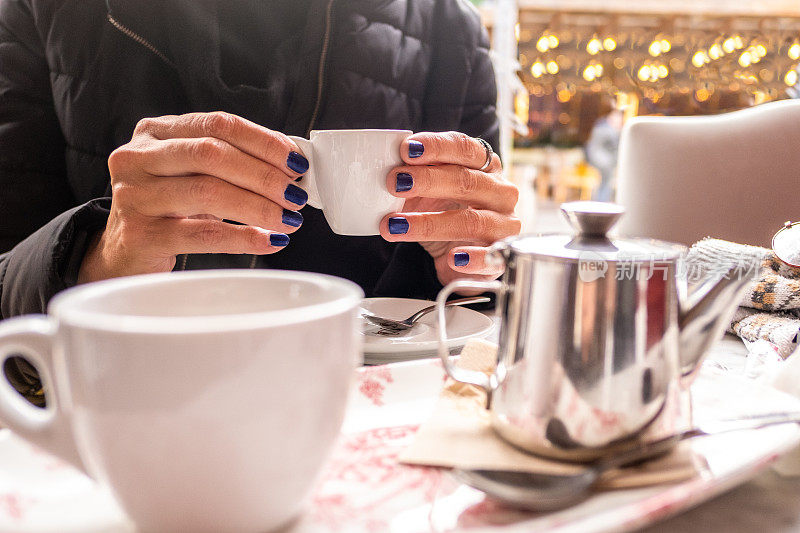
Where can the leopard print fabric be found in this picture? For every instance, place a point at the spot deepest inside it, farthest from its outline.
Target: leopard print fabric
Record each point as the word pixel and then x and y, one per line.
pixel 770 307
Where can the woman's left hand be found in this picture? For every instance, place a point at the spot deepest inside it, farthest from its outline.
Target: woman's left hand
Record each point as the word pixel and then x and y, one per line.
pixel 453 209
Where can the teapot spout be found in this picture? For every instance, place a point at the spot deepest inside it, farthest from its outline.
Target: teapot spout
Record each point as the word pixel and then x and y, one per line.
pixel 706 313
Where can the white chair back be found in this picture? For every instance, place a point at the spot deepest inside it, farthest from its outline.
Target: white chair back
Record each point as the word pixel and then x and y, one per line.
pixel 734 176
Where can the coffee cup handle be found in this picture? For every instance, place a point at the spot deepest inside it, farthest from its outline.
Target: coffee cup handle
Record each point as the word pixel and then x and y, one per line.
pixel 48 428
pixel 488 382
pixel 309 181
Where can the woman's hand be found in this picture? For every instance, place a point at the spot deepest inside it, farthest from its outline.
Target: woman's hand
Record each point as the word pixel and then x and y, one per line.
pixel 453 209
pixel 179 177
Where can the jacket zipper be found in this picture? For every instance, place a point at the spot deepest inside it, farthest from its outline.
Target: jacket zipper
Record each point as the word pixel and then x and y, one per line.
pixel 138 38
pixel 183 258
pixel 321 71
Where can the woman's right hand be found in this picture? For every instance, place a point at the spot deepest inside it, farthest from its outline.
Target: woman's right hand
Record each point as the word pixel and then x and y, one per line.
pixel 179 176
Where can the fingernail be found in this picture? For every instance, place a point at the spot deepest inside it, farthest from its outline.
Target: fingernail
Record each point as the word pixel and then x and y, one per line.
pixel 415 149
pixel 404 182
pixel 278 239
pixel 461 259
pixel 292 218
pixel 296 195
pixel 297 162
pixel 398 225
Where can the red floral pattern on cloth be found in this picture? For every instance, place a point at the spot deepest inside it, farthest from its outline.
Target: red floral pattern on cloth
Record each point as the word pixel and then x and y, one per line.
pixel 364 481
pixel 365 489
pixel 370 383
pixel 14 506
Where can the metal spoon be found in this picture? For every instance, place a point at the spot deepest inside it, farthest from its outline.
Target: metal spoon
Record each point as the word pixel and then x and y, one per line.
pixel 392 326
pixel 548 492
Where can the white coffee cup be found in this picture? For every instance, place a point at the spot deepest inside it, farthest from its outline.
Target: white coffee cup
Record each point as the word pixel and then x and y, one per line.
pixel 205 401
pixel 347 174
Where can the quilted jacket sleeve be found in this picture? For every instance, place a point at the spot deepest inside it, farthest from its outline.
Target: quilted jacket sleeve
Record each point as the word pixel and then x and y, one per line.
pixel 38 217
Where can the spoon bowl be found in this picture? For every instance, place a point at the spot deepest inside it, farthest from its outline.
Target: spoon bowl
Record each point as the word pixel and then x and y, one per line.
pixel 531 491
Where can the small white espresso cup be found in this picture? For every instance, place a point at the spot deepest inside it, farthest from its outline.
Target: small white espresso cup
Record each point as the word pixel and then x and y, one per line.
pixel 347 174
pixel 206 401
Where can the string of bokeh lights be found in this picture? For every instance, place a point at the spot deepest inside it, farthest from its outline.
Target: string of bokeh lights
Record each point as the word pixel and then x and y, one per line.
pixel 658 57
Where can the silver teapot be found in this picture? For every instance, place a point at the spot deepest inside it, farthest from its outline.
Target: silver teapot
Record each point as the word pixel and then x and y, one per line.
pixel 599 337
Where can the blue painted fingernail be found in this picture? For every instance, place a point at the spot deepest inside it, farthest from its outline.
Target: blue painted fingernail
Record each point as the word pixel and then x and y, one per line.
pixel 461 259
pixel 278 239
pixel 292 218
pixel 398 225
pixel 295 194
pixel 404 182
pixel 297 162
pixel 415 149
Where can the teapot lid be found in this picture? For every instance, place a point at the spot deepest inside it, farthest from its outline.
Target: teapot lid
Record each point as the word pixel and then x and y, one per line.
pixel 592 221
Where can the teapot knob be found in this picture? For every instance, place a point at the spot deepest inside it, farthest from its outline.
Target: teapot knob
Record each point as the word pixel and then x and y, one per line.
pixel 592 219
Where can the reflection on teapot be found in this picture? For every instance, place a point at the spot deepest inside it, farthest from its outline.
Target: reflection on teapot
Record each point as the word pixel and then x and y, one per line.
pixel 598 339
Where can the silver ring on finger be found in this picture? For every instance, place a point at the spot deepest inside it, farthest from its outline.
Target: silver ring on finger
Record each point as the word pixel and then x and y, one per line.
pixel 489 152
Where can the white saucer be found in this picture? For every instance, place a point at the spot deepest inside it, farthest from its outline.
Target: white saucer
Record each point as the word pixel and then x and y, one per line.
pixel 423 339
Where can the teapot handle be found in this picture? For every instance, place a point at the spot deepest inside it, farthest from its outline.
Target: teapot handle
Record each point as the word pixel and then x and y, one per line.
pixel 488 382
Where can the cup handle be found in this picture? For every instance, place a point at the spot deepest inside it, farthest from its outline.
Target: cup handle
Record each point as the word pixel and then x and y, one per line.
pixel 309 181
pixel 472 377
pixel 49 428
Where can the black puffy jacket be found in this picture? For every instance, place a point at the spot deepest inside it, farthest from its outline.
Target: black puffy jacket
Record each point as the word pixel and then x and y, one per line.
pixel 77 75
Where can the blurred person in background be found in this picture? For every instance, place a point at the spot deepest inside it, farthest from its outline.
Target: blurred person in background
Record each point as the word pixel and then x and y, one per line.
pixel 601 152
